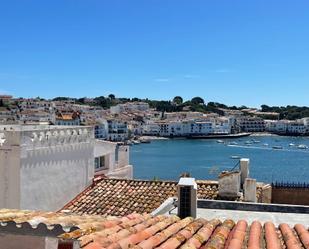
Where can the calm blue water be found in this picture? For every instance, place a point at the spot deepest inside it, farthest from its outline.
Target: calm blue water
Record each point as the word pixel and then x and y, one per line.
pixel 204 159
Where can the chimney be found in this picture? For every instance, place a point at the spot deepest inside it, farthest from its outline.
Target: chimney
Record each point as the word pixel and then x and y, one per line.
pixel 229 185
pixel 244 169
pixel 250 190
pixel 187 197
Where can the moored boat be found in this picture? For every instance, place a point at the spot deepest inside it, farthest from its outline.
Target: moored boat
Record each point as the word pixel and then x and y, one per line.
pixel 277 147
pixel 302 147
pixel 235 157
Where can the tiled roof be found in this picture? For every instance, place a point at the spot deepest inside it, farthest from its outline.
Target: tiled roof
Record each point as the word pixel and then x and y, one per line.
pixel 165 232
pixel 122 197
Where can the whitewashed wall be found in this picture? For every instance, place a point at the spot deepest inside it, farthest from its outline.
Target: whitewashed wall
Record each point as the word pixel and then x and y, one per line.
pixel 45 169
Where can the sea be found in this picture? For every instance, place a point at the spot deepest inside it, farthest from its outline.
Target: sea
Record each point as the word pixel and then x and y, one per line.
pixel 272 158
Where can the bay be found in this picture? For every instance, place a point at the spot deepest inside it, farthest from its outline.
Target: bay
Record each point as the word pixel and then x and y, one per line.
pixel 205 159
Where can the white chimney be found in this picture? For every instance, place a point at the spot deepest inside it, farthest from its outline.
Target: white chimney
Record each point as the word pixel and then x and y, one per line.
pixel 244 169
pixel 250 190
pixel 187 197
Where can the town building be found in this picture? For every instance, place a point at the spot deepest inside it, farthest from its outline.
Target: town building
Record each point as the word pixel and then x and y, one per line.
pixel 70 118
pixel 182 128
pixel 129 107
pixel 7 116
pixel 37 104
pixel 6 99
pixel 178 116
pixel 276 126
pixel 151 128
pixel 112 160
pixel 100 130
pixel 44 167
pixel 250 124
pixel 35 116
pixel 117 130
pixel 298 127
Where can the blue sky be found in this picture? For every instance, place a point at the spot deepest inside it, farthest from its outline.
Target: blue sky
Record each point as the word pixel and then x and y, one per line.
pixel 236 52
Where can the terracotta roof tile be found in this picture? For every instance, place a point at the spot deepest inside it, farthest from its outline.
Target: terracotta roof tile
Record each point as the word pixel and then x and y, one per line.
pixel 121 197
pixel 139 231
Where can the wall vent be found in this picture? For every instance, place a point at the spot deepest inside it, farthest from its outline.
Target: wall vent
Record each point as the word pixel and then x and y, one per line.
pixel 187 197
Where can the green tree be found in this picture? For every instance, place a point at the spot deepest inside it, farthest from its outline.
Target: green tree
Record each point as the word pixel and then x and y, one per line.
pixel 197 101
pixel 112 96
pixel 178 100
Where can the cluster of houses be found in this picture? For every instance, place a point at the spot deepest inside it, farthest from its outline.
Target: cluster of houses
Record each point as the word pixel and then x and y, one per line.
pixel 123 121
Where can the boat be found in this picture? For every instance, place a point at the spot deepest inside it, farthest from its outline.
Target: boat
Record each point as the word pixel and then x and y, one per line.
pixel 291 144
pixel 265 144
pixel 145 141
pixel 235 157
pixel 218 136
pixel 220 141
pixel 277 147
pixel 233 143
pixel 302 147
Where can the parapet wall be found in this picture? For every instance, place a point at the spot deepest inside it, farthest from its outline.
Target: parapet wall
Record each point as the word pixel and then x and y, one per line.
pixel 295 194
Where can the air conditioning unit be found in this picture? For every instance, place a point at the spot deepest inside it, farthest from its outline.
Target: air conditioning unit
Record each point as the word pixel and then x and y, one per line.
pixel 187 197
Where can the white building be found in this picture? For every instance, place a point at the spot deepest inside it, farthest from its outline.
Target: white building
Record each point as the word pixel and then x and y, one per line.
pixel 180 128
pixel 112 160
pixel 288 127
pixel 200 127
pixel 129 107
pixel 179 116
pixel 222 125
pixel 151 128
pixel 117 130
pixel 36 104
pixel 35 116
pixel 44 167
pixel 276 126
pixel 251 124
pixel 296 128
pixel 101 130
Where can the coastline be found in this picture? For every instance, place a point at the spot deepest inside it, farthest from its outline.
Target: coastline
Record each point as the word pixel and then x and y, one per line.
pixel 153 138
pixel 251 134
pixel 263 134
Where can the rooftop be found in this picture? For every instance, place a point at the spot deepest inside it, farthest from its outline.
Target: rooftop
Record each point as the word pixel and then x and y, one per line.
pixel 39 127
pixel 122 197
pixel 146 231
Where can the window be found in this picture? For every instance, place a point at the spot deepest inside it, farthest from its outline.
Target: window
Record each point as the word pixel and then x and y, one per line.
pixel 99 162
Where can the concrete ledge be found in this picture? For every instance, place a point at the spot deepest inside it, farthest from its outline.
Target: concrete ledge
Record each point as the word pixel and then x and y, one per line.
pixel 125 172
pixel 166 206
pixel 246 206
